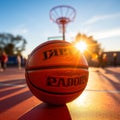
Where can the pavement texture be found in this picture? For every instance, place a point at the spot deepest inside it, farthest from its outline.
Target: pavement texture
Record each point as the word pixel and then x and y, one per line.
pixel 99 101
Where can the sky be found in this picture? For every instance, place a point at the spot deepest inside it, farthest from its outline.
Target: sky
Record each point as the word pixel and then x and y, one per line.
pixel 31 19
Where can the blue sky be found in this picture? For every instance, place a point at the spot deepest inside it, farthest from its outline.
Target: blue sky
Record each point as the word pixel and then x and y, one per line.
pixel 30 18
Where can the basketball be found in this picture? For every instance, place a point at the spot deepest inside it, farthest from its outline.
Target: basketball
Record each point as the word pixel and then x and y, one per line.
pixel 56 72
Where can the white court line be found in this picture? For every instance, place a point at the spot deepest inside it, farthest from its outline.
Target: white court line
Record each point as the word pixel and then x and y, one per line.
pixel 107 91
pixel 10 84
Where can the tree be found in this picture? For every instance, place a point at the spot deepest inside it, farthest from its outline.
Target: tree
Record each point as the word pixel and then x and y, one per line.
pixel 12 44
pixel 93 47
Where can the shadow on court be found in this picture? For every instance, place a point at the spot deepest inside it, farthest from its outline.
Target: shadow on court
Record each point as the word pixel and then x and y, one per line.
pixel 13 100
pixel 47 112
pixel 114 83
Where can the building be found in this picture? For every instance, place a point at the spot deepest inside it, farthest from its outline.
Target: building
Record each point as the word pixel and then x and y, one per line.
pixel 113 58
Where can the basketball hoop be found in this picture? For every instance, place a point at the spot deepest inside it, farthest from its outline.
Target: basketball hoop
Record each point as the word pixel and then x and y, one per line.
pixel 62 15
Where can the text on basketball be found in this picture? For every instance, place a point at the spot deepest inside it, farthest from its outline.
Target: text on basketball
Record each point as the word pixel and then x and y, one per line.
pixel 66 82
pixel 57 52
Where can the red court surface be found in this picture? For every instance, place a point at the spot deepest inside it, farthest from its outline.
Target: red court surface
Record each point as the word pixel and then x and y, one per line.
pixel 99 101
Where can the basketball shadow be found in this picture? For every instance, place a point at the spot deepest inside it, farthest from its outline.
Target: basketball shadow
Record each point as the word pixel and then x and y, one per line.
pixel 47 112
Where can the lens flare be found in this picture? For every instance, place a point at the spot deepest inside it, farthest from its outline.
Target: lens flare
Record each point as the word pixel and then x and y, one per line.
pixel 82 46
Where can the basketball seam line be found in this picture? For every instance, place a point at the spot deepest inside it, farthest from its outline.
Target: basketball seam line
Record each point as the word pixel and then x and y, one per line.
pixel 58 66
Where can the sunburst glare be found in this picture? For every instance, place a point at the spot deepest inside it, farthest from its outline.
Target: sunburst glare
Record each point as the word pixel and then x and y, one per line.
pixel 82 46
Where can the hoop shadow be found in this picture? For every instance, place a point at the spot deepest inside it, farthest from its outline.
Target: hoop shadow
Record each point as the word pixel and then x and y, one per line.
pixel 47 112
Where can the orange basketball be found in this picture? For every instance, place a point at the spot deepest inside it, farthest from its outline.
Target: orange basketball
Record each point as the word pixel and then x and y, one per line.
pixel 56 72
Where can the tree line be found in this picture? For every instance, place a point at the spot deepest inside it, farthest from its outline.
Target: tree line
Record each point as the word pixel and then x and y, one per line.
pixel 12 44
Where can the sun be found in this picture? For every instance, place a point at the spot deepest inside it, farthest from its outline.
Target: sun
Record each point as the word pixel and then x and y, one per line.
pixel 82 46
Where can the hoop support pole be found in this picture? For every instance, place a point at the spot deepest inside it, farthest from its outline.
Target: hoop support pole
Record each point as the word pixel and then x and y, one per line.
pixel 63 31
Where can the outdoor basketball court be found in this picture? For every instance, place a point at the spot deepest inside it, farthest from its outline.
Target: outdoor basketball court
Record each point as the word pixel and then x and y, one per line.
pixel 99 101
